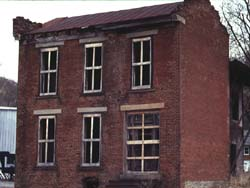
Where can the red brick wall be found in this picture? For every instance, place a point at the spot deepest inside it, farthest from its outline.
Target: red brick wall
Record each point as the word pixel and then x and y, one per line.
pixel 204 95
pixel 116 92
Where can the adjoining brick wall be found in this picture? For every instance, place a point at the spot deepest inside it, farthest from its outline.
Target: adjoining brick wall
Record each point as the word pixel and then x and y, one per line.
pixel 204 95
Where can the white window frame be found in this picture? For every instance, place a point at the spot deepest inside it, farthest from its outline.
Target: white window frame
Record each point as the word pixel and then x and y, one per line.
pixel 49 50
pixel 141 63
pixel 142 143
pixel 91 139
pixel 93 45
pixel 46 141
pixel 248 149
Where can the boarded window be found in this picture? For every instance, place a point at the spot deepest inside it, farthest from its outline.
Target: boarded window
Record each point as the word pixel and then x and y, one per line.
pixel 48 71
pixel 93 68
pixel 143 142
pixel 141 63
pixel 91 140
pixel 46 140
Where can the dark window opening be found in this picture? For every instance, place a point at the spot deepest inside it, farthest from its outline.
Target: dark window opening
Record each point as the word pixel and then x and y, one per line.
pixel 97 79
pixel 93 68
pixel 146 50
pixel 146 75
pixel 46 141
pixel 48 72
pixel 137 52
pixel 91 140
pixel 235 106
pixel 141 63
pixel 89 57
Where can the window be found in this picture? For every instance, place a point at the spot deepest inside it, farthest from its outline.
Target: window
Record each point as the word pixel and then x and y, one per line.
pixel 91 140
pixel 93 68
pixel 141 63
pixel 143 142
pixel 246 150
pixel 235 105
pixel 48 71
pixel 46 140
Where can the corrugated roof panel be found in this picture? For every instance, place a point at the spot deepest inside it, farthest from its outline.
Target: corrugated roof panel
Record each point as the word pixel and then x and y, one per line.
pixel 108 17
pixel 8 130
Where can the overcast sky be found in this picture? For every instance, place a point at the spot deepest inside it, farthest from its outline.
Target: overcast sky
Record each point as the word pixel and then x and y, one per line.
pixel 42 11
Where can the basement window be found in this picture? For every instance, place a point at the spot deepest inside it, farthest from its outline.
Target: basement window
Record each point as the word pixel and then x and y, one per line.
pixel 48 71
pixel 91 140
pixel 246 150
pixel 143 139
pixel 93 68
pixel 46 141
pixel 141 63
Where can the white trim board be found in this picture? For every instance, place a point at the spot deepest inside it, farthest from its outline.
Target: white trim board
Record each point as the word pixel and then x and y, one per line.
pixel 91 109
pixel 47 111
pixel 142 106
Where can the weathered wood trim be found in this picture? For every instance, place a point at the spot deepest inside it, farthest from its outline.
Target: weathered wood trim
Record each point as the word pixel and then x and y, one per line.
pixel 49 44
pixel 91 109
pixel 47 111
pixel 180 19
pixel 142 106
pixel 92 40
pixel 142 33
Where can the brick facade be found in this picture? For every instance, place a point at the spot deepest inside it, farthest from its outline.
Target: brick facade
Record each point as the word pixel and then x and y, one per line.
pixel 190 76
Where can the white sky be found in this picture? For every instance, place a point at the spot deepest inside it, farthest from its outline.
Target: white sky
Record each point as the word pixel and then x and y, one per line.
pixel 42 11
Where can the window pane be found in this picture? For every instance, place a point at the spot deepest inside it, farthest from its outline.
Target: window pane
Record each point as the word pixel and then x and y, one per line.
pixel 135 134
pixel 151 165
pixel 96 127
pixel 235 105
pixel 151 119
pixel 97 79
pixel 53 57
pixel 137 52
pixel 44 83
pixel 136 75
pixel 134 150
pixel 98 56
pixel 151 134
pixel 89 57
pixel 146 75
pixel 45 58
pixel 134 165
pixel 151 150
pixel 50 152
pixel 88 80
pixel 51 129
pixel 86 150
pixel 52 83
pixel 87 127
pixel 41 153
pixel 42 129
pixel 95 152
pixel 146 50
pixel 135 120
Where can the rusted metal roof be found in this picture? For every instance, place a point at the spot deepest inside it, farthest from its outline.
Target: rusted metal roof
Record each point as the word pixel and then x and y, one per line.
pixel 114 17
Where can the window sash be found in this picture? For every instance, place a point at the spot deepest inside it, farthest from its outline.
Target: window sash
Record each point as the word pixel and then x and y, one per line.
pixel 140 64
pixel 91 140
pixel 46 141
pixel 247 150
pixel 142 144
pixel 92 68
pixel 48 72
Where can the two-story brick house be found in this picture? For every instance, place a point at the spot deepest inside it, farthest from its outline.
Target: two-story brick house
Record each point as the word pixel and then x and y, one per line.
pixel 127 98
